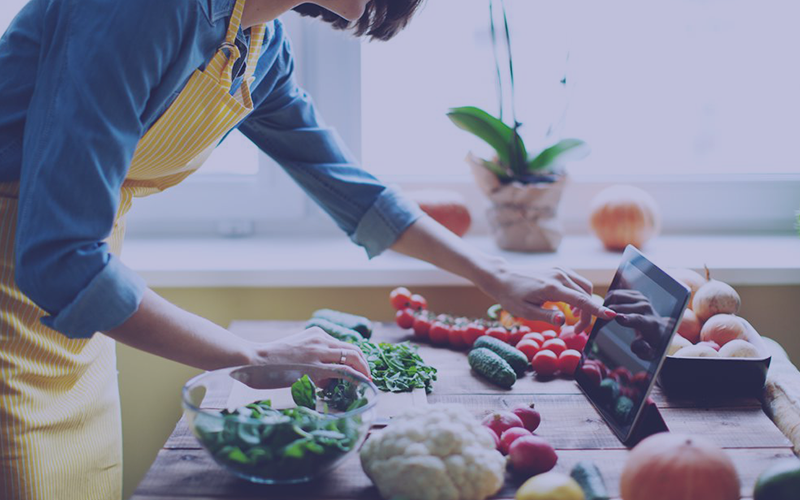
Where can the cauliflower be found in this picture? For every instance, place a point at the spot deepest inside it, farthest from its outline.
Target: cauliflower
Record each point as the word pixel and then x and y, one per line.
pixel 439 452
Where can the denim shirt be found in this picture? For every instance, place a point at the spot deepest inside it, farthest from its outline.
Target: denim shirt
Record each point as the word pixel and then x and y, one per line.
pixel 81 81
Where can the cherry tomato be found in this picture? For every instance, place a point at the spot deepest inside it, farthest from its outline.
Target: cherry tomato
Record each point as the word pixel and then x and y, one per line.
pixel 456 337
pixel 623 375
pixel 529 348
pixel 641 380
pixel 421 326
pixel 400 298
pixel 472 332
pixel 517 333
pixel 538 337
pixel 418 302
pixel 580 344
pixel 404 318
pixel 556 345
pixel 545 363
pixel 439 333
pixel 549 334
pixel 498 332
pixel 568 362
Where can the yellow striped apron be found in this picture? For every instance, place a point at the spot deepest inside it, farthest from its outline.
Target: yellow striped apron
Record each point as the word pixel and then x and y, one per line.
pixel 60 430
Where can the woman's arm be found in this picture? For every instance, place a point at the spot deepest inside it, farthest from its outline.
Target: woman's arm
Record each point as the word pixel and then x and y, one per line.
pixel 162 328
pixel 521 295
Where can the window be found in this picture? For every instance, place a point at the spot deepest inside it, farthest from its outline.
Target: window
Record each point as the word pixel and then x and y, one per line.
pixel 667 87
pixel 695 100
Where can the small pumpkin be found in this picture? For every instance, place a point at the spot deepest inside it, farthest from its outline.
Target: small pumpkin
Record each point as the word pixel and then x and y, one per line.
pixel 448 208
pixel 624 215
pixel 671 466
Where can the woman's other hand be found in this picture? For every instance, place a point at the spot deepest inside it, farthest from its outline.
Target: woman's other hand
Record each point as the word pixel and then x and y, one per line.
pixel 314 347
pixel 523 295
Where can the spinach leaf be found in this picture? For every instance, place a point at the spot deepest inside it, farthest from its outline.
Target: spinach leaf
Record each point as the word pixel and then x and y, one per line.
pixel 304 393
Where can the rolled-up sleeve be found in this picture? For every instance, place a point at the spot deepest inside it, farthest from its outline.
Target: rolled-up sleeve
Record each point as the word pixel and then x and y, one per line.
pixel 287 127
pixel 99 62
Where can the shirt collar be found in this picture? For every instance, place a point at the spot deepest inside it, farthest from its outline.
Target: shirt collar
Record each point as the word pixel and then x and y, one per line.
pixel 217 9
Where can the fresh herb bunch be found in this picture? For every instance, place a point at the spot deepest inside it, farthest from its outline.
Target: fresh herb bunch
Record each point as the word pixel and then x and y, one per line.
pixel 398 367
pixel 259 440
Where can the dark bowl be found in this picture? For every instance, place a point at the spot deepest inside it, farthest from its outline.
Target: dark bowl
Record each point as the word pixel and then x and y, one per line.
pixel 714 377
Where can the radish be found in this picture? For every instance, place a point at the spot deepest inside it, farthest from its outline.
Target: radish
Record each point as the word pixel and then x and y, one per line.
pixel 499 421
pixel 494 437
pixel 530 455
pixel 530 417
pixel 511 435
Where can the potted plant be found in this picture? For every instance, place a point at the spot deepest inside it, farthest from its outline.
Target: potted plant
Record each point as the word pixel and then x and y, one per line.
pixel 524 188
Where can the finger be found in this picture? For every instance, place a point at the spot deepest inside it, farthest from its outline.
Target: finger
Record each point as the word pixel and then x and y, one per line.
pixel 629 308
pixel 354 350
pixel 584 322
pixel 352 359
pixel 585 284
pixel 583 302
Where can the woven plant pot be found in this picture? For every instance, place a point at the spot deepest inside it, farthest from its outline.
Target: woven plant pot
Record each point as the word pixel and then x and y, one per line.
pixel 523 217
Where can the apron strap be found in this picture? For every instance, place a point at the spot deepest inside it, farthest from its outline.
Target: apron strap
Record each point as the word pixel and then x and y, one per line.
pixel 221 66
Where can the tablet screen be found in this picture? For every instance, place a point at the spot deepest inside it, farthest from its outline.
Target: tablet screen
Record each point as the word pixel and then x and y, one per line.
pixel 623 355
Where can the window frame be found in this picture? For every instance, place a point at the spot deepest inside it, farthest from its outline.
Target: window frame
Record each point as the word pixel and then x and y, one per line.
pixel 329 67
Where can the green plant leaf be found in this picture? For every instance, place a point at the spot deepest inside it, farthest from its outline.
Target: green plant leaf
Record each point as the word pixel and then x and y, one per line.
pixel 304 392
pixel 494 132
pixel 567 149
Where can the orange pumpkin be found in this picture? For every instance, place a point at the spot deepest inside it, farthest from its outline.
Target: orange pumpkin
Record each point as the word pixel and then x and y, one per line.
pixel 670 466
pixel 623 215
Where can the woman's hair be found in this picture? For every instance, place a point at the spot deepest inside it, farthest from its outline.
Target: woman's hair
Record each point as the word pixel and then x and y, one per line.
pixel 382 19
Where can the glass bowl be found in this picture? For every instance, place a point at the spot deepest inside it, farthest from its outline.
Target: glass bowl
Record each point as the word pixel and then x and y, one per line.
pixel 246 418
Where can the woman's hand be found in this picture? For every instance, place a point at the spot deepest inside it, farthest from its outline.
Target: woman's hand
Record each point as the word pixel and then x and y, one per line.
pixel 523 295
pixel 313 347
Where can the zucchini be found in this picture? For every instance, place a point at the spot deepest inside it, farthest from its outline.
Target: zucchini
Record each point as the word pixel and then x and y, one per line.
pixel 512 355
pixel 336 331
pixel 588 476
pixel 492 367
pixel 358 323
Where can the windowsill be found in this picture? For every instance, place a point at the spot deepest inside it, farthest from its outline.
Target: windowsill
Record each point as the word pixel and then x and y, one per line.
pixel 290 262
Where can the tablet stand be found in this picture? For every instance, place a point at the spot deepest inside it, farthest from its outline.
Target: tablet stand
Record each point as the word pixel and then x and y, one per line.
pixel 650 422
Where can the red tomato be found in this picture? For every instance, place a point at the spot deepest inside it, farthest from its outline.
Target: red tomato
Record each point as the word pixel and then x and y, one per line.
pixel 568 362
pixel 404 318
pixel 439 333
pixel 623 375
pixel 400 298
pixel 418 302
pixel 456 337
pixel 545 363
pixel 499 333
pixel 529 348
pixel 535 336
pixel 556 345
pixel 514 336
pixel 472 332
pixel 641 380
pixel 421 326
pixel 576 341
pixel 549 334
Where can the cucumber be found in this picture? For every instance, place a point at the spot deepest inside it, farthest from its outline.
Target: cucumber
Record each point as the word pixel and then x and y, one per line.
pixel 492 367
pixel 336 331
pixel 608 391
pixel 623 409
pixel 588 476
pixel 358 323
pixel 512 355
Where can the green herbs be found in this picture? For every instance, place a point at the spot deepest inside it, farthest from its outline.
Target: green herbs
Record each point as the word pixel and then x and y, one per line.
pixel 261 441
pixel 398 367
pixel 303 393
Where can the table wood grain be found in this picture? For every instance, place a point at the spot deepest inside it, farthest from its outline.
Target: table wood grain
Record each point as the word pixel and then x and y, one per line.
pixel 569 422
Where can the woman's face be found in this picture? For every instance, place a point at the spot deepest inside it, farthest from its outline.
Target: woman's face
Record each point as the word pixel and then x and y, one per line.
pixel 352 10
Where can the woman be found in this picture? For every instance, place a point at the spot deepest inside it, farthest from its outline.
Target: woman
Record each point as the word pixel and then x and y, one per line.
pixel 102 101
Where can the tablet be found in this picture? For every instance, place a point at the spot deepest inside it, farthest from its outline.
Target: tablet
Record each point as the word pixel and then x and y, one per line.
pixel 623 355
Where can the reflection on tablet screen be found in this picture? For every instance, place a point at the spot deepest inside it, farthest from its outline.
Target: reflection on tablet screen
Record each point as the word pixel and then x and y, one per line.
pixel 627 351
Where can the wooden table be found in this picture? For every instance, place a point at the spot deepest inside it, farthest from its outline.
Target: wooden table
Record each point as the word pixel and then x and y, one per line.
pixel 183 470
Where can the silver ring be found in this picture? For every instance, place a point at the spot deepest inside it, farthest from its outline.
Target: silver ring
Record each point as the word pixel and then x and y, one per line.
pixel 343 357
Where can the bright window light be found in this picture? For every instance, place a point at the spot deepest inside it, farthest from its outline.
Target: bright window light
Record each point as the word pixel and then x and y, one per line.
pixel 663 87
